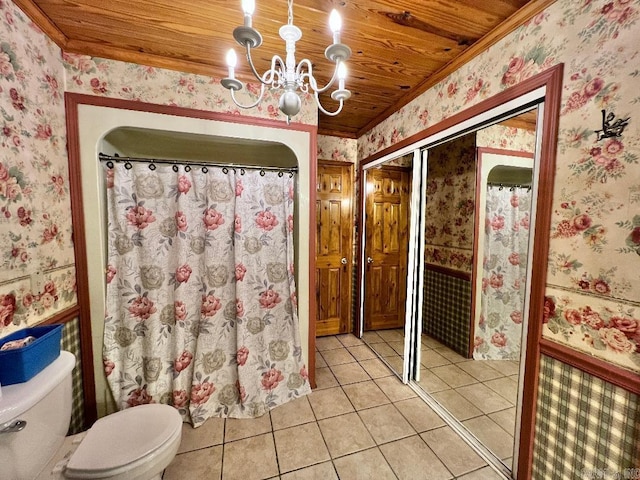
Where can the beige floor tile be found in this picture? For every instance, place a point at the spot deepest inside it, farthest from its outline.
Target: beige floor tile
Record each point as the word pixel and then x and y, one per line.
pixel 484 398
pixel 398 347
pixel 327 343
pixel 345 434
pixel 411 459
pixel 394 388
pixel 430 382
pixel 367 465
pixel 457 456
pixel 329 403
pixel 430 342
pixel 208 434
pixel 506 367
pixel 365 395
pixel 205 463
pixel 260 463
pixel 486 473
pixel 337 357
pixel 392 335
pixel 386 423
pixel 431 358
pixel 239 428
pixel 361 352
pixel 419 414
pixel 349 340
pixel 300 447
pixel 376 368
pixel 453 357
pixel 295 412
pixel 504 387
pixel 372 337
pixel 491 435
pixel 453 376
pixel 320 360
pixel 456 404
pixel 347 373
pixel 325 378
pixel 395 362
pixel 506 419
pixel 322 471
pixel 383 349
pixel 479 370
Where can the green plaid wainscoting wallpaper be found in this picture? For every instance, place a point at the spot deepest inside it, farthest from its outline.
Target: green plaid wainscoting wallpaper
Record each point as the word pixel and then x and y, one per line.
pixel 586 428
pixel 71 343
pixel 447 309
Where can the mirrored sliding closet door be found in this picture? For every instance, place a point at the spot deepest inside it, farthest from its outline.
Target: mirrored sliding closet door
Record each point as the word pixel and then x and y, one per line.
pixel 447 245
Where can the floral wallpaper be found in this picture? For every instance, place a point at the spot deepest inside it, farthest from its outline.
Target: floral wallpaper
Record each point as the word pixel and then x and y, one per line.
pixel 35 232
pixel 450 206
pixel 506 138
pixel 130 81
pixel 595 235
pixel 338 149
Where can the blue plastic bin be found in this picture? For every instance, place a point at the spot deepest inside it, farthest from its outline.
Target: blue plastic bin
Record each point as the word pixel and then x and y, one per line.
pixel 21 364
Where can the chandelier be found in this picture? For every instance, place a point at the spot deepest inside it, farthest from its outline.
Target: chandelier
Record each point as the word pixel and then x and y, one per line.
pixel 287 75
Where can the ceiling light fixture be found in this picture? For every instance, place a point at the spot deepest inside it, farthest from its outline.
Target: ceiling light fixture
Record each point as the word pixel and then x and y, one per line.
pixel 287 75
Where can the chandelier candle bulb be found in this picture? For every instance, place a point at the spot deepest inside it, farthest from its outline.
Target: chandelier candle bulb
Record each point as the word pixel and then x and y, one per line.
pixel 248 6
pixel 232 60
pixel 335 24
pixel 342 75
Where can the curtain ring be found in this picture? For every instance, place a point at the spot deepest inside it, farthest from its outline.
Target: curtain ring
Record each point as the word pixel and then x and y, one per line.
pixel 280 173
pixel 175 168
pixel 262 172
pixel 152 166
pixel 242 171
pixel 205 170
pixel 128 165
pixel 225 170
pixel 110 164
pixel 187 168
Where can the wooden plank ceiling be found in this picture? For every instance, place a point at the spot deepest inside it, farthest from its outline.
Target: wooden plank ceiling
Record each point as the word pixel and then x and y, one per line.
pixel 400 47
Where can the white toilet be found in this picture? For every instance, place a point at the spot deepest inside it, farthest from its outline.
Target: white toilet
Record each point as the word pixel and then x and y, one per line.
pixel 133 444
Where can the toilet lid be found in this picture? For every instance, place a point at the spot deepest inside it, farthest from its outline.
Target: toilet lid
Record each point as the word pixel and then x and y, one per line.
pixel 124 437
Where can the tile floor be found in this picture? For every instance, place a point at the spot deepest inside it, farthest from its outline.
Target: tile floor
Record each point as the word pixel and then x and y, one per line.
pixel 481 394
pixel 360 423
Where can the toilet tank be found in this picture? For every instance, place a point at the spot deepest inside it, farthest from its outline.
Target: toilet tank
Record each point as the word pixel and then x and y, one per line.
pixel 44 403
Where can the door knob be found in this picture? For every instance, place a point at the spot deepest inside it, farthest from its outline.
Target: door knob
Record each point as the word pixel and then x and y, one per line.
pixel 369 260
pixel 343 261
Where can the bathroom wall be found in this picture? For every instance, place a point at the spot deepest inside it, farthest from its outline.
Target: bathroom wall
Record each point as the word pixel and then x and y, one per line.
pixel 35 228
pixel 595 235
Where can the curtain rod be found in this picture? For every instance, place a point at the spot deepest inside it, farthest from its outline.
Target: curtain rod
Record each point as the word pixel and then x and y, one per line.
pixel 509 185
pixel 116 158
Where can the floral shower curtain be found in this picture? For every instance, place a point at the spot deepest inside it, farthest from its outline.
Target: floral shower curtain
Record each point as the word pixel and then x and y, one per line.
pixel 506 242
pixel 201 303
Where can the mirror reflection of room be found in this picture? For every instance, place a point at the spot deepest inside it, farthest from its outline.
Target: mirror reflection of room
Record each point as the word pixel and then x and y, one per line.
pixel 387 208
pixel 476 238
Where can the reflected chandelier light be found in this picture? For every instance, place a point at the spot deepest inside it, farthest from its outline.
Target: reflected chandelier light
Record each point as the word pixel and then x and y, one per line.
pixel 287 75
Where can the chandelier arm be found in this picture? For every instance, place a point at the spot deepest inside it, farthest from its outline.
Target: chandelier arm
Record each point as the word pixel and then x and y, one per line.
pixel 326 112
pixel 312 81
pixel 233 97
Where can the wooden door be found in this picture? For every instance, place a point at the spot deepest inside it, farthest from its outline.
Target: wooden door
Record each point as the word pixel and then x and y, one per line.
pixel 334 247
pixel 386 248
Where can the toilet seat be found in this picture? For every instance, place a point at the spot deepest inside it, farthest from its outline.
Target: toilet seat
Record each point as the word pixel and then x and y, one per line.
pixel 115 443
